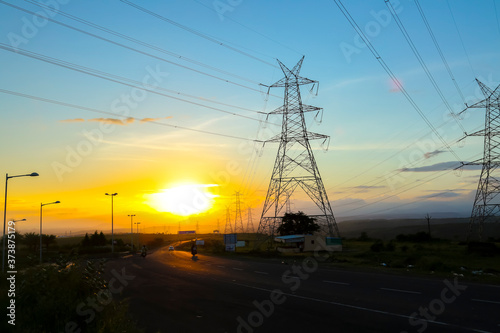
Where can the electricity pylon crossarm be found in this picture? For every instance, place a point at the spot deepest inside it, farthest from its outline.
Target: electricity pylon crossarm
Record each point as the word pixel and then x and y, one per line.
pixel 295 165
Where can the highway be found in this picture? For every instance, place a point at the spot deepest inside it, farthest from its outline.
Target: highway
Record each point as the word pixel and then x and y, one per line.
pixel 168 291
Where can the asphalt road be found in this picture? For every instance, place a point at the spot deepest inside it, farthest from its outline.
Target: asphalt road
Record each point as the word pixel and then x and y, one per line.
pixel 170 292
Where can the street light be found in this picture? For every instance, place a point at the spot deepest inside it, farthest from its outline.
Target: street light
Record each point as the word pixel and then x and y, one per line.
pixel 41 205
pixel 131 232
pixel 33 174
pixel 112 236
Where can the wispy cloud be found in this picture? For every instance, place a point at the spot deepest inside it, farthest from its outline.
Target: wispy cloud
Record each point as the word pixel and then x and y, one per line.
pixel 441 195
pixel 76 120
pixel 146 120
pixel 115 121
pixel 433 153
pixel 443 166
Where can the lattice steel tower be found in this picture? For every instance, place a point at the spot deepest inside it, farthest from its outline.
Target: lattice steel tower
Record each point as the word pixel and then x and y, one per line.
pixel 295 164
pixel 487 201
pixel 238 220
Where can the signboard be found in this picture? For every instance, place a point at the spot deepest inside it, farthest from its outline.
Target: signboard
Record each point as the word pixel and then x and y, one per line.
pixel 200 242
pixel 240 244
pixel 333 241
pixel 230 247
pixel 186 232
pixel 230 239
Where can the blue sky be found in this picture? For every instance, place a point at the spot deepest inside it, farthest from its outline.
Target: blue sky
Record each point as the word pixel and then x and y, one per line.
pixel 374 130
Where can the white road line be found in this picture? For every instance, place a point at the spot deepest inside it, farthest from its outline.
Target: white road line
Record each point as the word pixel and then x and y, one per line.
pixel 258 272
pixel 335 282
pixel 237 269
pixel 485 301
pixel 221 266
pixel 402 291
pixel 353 306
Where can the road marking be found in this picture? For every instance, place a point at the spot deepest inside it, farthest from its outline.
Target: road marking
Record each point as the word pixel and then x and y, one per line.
pixel 237 269
pixel 356 307
pixel 258 272
pixel 485 301
pixel 221 266
pixel 402 291
pixel 335 282
pixel 127 256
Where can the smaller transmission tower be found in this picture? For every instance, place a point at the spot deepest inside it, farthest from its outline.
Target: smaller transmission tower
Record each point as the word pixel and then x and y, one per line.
pixel 250 227
pixel 228 228
pixel 238 220
pixel 487 201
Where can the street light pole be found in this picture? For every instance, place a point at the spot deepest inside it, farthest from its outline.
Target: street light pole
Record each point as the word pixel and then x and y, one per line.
pixel 137 223
pixel 112 235
pixel 131 232
pixel 33 174
pixel 41 205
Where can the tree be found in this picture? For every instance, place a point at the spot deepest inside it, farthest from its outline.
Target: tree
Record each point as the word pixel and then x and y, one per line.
pixel 31 240
pixel 48 239
pixel 297 224
pixel 102 239
pixel 86 240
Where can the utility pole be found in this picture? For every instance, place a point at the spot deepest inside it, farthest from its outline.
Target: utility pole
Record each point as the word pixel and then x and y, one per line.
pixel 428 218
pixel 295 165
pixel 487 201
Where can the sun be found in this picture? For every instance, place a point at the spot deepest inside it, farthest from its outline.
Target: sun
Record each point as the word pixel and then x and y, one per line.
pixel 183 200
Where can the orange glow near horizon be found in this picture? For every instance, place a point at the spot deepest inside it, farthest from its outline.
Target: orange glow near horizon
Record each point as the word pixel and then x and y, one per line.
pixel 183 200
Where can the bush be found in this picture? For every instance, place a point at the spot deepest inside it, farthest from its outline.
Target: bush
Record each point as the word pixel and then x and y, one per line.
pixel 378 246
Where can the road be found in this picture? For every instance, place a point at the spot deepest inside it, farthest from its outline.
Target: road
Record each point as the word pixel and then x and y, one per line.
pixel 170 292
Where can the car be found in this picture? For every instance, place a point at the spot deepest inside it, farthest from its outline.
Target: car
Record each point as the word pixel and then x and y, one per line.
pixel 170 248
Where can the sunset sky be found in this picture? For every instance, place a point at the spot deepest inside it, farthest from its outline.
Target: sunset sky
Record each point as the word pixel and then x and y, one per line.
pixel 139 98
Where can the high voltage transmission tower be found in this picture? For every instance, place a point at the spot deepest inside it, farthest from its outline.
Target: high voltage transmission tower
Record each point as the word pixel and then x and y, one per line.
pixel 295 164
pixel 487 201
pixel 250 228
pixel 228 228
pixel 238 220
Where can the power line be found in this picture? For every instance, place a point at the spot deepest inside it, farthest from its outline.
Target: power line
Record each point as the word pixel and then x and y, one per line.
pixel 436 44
pixel 461 39
pixel 386 68
pixel 131 48
pixel 111 77
pixel 253 30
pixel 51 101
pixel 175 55
pixel 421 60
pixel 195 32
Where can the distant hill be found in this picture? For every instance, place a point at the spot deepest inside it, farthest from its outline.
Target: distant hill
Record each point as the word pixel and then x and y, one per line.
pixel 446 228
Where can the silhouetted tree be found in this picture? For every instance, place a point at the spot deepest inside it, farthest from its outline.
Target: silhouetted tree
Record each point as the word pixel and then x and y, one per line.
pixel 102 239
pixel 86 241
pixel 297 224
pixel 31 240
pixel 48 239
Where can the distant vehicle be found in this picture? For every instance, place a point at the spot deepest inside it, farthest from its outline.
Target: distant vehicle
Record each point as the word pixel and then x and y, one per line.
pixel 170 248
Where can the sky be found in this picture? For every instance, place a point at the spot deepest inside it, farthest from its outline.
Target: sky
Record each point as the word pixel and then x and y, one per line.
pixel 165 103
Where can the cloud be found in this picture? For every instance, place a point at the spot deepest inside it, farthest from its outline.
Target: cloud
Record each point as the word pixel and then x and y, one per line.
pixel 113 121
pixel 76 120
pixel 440 195
pixel 443 166
pixel 146 120
pixel 433 153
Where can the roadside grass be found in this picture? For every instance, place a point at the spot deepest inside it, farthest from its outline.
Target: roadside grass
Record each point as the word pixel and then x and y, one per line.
pixel 55 298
